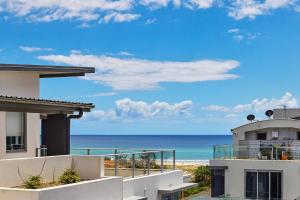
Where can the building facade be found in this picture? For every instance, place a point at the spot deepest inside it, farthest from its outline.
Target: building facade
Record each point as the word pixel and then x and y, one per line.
pixel 263 161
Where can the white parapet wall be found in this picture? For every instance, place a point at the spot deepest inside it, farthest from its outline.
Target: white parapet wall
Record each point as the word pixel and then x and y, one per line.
pixel 235 175
pixel 147 186
pixel 101 189
pixel 14 171
pixel 90 168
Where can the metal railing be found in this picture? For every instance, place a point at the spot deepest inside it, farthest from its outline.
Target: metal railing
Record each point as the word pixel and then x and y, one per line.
pixel 15 147
pixel 132 162
pixel 256 152
pixel 41 151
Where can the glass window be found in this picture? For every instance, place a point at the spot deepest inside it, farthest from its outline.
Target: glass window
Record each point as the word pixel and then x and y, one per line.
pixel 263 185
pixel 261 136
pixel 15 131
pixel 251 185
pixel 172 196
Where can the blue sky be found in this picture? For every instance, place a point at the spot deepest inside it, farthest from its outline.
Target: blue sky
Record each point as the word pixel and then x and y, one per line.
pixel 163 67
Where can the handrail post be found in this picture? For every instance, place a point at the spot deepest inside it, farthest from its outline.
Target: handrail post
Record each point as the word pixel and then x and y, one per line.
pixel 133 165
pixel 174 159
pixel 162 161
pixel 148 163
pixel 116 163
pixel 88 152
pixel 214 149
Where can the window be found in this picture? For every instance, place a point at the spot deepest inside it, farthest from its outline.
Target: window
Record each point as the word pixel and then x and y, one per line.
pixel 263 185
pixel 172 196
pixel 261 136
pixel 15 131
pixel 298 135
pixel 217 182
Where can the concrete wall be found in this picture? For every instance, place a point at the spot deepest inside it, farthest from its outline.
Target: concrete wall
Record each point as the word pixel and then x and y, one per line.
pixel 20 84
pixel 101 189
pixel 148 185
pixel 235 180
pixel 88 168
pixel 260 126
pixel 284 133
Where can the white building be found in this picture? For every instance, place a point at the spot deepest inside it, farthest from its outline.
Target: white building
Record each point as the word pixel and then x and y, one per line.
pixel 31 127
pixel 263 162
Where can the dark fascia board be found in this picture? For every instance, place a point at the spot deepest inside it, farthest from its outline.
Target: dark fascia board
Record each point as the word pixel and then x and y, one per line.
pixel 47 71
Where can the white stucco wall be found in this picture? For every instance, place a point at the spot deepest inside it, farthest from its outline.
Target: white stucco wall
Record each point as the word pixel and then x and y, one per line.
pixel 88 167
pixel 20 84
pixel 235 175
pixel 148 185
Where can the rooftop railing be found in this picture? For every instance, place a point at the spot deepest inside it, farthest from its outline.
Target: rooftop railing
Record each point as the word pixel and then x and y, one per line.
pixel 256 152
pixel 132 162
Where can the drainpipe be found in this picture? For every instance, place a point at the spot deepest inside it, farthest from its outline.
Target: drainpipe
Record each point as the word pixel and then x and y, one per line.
pixel 78 116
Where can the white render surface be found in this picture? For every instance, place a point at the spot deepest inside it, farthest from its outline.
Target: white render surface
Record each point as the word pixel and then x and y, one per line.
pixel 235 180
pixel 147 186
pixel 20 84
pixel 91 168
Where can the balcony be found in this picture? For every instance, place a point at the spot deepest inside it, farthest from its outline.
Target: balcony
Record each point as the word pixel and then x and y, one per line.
pixel 259 150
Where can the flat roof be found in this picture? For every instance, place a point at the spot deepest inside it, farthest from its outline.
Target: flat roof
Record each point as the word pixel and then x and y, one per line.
pixel 44 106
pixel 48 71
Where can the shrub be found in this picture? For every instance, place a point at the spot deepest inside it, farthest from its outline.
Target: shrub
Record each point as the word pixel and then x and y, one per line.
pixel 202 176
pixel 33 182
pixel 69 176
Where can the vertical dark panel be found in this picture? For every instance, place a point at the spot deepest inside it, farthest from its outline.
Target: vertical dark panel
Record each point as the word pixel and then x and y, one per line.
pixel 251 185
pixel 217 182
pixel 56 134
pixel 263 185
pixel 276 185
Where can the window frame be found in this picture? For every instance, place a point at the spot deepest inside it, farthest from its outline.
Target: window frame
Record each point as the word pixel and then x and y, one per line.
pixel 24 134
pixel 269 172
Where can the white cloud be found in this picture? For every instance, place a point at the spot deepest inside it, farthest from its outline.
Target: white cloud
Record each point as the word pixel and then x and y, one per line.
pixel 129 109
pixel 239 35
pixel 125 53
pixel 33 49
pixel 142 74
pixel 241 9
pixel 151 21
pixel 216 108
pixel 233 30
pixel 119 17
pixel 199 4
pixel 93 10
pixel 264 104
pixel 154 4
pixel 103 94
pixel 53 10
pixel 258 105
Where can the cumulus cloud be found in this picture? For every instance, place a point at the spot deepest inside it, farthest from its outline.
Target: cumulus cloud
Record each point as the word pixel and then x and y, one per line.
pixel 129 109
pixel 32 49
pixel 240 9
pixel 258 105
pixel 141 74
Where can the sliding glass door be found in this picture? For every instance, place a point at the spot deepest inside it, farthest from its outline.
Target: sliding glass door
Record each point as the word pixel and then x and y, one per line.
pixel 263 185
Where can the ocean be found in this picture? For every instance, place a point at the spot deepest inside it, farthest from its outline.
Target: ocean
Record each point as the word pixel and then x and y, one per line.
pixel 188 147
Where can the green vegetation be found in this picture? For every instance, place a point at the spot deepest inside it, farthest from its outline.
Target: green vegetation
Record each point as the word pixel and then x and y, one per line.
pixel 69 176
pixel 201 175
pixel 33 182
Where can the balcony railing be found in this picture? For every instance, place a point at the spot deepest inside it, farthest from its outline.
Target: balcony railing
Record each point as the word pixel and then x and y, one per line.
pixel 132 162
pixel 256 152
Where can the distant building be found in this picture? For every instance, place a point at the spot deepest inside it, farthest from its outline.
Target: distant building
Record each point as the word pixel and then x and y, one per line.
pixel 264 160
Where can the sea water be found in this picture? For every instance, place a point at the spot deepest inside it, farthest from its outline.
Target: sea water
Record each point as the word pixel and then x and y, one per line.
pixel 188 147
